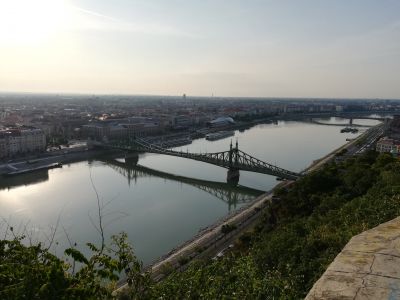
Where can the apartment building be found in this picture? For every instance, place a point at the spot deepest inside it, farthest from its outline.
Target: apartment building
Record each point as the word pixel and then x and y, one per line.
pixel 388 145
pixel 21 140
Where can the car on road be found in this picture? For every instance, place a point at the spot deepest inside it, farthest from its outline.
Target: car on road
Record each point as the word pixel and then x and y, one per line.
pixel 222 252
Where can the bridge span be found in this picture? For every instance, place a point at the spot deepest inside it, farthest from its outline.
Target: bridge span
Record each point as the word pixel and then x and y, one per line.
pixel 351 124
pixel 233 159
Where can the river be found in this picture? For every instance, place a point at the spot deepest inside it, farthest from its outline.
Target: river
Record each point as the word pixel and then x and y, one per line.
pixel 157 212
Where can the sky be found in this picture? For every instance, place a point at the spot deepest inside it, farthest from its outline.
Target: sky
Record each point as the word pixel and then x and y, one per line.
pixel 257 48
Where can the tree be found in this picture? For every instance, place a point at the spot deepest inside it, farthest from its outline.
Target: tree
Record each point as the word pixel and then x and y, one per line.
pixel 32 272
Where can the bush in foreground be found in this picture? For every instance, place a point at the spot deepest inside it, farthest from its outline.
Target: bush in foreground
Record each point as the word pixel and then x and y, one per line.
pixel 32 272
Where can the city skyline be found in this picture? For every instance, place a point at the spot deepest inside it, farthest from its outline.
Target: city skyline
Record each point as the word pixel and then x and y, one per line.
pixel 222 48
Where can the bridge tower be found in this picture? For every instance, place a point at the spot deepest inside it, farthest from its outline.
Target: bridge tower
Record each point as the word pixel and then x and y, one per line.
pixel 233 174
pixel 131 158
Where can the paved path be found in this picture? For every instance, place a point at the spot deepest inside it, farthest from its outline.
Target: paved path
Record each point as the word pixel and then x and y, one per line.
pixel 367 268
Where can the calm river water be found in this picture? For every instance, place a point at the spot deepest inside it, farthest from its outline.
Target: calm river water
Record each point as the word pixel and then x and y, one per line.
pixel 157 212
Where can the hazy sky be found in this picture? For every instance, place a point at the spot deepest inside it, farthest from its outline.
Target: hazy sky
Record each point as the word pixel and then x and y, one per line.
pixel 279 48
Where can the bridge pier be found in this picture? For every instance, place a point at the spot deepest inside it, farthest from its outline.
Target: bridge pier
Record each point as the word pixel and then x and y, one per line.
pixel 232 177
pixel 131 158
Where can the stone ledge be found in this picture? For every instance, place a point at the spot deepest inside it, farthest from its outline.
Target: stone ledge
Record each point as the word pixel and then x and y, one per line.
pixel 367 268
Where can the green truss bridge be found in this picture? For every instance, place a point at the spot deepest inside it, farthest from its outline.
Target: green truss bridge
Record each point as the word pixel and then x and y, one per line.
pixel 233 159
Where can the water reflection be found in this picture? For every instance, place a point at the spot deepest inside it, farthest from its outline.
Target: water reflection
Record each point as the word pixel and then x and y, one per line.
pixel 8 183
pixel 231 195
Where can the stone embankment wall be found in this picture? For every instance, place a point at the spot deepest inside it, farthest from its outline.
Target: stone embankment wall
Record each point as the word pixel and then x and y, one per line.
pixel 367 268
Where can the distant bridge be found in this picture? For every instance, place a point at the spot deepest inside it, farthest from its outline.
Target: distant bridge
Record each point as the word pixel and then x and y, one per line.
pixel 359 117
pixel 233 159
pixel 365 115
pixel 351 124
pixel 223 191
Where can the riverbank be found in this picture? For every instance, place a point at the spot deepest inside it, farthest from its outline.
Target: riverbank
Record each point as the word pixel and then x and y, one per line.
pixel 63 158
pixel 76 154
pixel 300 235
pixel 212 237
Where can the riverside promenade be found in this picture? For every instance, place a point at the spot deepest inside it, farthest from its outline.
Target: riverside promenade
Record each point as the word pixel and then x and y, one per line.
pixel 367 268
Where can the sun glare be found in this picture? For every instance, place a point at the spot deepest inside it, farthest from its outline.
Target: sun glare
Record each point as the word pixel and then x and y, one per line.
pixel 31 21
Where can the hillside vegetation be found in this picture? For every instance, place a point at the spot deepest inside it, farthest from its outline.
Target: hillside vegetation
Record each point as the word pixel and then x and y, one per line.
pixel 300 235
pixel 295 240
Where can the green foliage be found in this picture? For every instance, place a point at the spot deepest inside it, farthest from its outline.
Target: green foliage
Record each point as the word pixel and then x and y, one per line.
pixel 341 152
pixel 167 268
pixel 199 249
pixel 32 272
pixel 183 260
pixel 299 236
pixel 226 228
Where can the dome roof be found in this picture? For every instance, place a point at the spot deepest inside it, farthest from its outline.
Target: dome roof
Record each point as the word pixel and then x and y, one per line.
pixel 223 120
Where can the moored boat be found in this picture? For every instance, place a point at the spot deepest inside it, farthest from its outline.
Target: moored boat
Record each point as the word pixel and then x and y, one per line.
pixel 349 129
pixel 219 135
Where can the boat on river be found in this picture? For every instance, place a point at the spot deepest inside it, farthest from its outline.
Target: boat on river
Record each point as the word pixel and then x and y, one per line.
pixel 219 135
pixel 349 129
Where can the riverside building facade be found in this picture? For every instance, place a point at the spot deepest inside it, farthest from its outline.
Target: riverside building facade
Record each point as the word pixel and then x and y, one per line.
pixel 21 140
pixel 388 145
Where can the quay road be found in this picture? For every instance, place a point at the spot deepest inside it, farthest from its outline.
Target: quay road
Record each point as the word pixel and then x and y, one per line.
pixel 364 142
pixel 370 139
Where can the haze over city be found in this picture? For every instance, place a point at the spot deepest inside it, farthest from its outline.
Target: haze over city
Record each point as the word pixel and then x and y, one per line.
pixel 203 48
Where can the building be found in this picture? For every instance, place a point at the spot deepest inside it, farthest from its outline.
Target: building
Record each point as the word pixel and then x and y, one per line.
pixel 104 131
pixel 122 129
pixel 143 129
pixel 394 127
pixel 221 122
pixel 183 121
pixel 339 108
pixel 21 140
pixel 3 147
pixel 387 145
pixel 3 115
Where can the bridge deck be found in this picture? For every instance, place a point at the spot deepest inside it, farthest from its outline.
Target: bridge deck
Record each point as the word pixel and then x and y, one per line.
pixel 231 159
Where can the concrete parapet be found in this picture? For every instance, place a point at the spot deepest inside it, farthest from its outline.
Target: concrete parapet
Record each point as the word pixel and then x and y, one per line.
pixel 367 268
